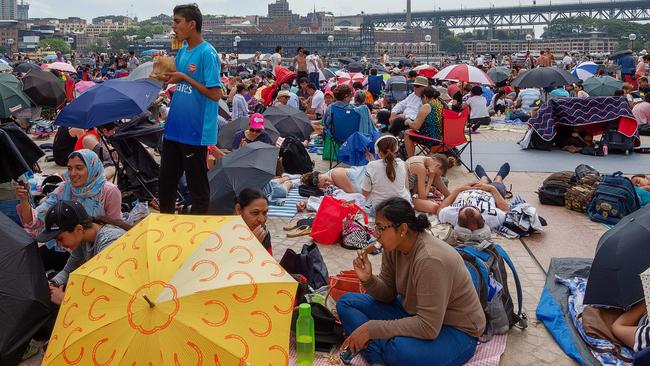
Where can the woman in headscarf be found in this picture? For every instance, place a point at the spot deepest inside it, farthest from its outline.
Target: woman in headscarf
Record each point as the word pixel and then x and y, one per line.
pixel 85 183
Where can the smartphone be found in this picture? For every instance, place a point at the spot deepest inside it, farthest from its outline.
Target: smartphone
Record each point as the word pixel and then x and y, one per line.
pixel 347 356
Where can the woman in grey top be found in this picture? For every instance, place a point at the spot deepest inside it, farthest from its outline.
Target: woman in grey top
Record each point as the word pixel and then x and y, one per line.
pixel 74 230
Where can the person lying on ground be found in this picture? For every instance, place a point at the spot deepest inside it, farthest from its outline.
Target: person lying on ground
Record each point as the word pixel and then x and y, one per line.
pixel 425 174
pixel 386 177
pixel 253 207
pixel 255 132
pixel 475 208
pixel 85 183
pixel 632 329
pixel 421 307
pixel 578 141
pixel 347 179
pixel 427 123
pixel 642 187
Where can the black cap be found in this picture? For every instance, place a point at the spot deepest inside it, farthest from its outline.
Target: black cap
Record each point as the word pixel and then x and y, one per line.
pixel 63 216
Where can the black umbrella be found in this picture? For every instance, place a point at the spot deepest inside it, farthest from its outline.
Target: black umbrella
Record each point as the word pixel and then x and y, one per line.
pixel 289 121
pixel 28 149
pixel 24 294
pixel 622 254
pixel 618 54
pixel 251 166
pixel 44 88
pixel 12 164
pixel 26 67
pixel 345 60
pixel 354 67
pixel 544 77
pixel 227 132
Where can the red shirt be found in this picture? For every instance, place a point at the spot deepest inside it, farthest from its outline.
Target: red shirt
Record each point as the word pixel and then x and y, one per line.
pixel 79 145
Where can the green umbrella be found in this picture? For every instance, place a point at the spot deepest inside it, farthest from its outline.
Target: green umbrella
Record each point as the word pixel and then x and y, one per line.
pixel 12 98
pixel 602 86
pixel 499 74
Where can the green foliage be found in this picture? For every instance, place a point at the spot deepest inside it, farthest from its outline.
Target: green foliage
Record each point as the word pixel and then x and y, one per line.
pixel 54 44
pixel 451 44
pixel 620 29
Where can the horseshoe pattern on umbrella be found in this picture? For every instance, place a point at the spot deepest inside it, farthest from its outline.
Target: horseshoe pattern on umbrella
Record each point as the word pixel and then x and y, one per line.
pixel 65 349
pixel 215 269
pixel 192 226
pixel 269 326
pixel 244 227
pixel 83 283
pixel 252 282
pixel 97 345
pixel 277 347
pixel 289 309
pixel 225 316
pixel 281 271
pixel 48 353
pixel 65 315
pixel 179 250
pixel 219 240
pixel 239 247
pixel 214 220
pixel 243 358
pixel 91 316
pixel 117 269
pixel 136 297
pixel 160 236
pixel 110 251
pixel 196 349
pixel 172 217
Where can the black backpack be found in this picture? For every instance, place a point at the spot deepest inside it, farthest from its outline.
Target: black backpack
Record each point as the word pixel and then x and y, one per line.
pixel 555 187
pixel 295 158
pixel 327 331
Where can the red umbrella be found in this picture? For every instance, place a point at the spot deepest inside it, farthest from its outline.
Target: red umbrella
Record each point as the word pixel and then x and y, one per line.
pixel 349 78
pixel 464 73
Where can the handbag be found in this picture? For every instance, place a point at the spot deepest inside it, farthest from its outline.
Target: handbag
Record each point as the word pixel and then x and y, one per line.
pixel 309 263
pixel 309 191
pixel 355 234
pixel 344 282
pixel 328 224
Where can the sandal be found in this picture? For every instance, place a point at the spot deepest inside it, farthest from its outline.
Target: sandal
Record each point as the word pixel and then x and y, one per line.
pixel 300 222
pixel 299 231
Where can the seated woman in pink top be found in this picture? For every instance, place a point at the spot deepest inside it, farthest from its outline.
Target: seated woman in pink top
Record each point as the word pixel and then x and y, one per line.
pixel 84 182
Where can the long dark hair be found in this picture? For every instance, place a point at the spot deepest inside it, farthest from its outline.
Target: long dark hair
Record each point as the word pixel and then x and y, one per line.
pixel 387 147
pixel 399 211
pixel 105 220
pixel 247 196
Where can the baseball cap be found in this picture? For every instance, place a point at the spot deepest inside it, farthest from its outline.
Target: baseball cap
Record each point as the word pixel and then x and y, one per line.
pixel 536 104
pixel 63 216
pixel 257 121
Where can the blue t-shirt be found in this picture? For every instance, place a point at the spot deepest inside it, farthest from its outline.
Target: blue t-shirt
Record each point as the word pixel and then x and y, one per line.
pixel 192 117
pixel 644 196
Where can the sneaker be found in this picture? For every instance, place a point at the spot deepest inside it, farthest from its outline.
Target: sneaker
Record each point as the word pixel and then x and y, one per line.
pixel 504 171
pixel 480 172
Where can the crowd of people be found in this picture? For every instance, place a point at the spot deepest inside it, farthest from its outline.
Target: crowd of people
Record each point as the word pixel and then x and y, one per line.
pixel 422 305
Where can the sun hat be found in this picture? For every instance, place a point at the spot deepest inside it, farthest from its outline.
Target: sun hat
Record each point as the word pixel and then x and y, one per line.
pixel 257 121
pixel 284 93
pixel 421 81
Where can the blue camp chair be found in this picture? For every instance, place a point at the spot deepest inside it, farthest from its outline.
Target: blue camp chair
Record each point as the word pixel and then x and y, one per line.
pixel 343 123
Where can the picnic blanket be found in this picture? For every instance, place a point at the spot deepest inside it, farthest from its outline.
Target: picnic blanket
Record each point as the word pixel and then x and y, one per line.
pixel 593 112
pixel 487 354
pixel 285 207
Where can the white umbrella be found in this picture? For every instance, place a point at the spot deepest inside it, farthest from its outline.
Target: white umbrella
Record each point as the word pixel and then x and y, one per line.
pixel 464 73
pixel 61 66
pixel 141 72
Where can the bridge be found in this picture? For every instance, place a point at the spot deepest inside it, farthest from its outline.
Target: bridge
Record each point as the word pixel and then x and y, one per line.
pixel 498 17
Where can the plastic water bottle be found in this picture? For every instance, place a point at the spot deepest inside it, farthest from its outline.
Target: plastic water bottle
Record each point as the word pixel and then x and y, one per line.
pixel 305 340
pixel 508 114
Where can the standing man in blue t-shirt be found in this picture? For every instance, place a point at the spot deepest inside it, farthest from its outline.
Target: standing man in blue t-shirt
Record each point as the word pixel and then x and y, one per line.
pixel 192 121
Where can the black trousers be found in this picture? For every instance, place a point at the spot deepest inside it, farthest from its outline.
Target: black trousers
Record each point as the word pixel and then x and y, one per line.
pixel 178 158
pixel 397 126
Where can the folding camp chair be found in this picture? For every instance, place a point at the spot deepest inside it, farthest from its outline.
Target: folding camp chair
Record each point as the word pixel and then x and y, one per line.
pixel 454 140
pixel 397 92
pixel 343 123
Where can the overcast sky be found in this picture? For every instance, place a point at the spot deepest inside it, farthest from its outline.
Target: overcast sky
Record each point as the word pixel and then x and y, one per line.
pixel 144 9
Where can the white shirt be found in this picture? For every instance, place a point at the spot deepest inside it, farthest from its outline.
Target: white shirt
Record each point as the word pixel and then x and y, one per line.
pixel 482 200
pixel 132 63
pixel 239 107
pixel 276 60
pixel 293 100
pixel 318 100
pixel 380 187
pixel 480 60
pixel 478 106
pixel 312 63
pixel 409 106
pixel 567 60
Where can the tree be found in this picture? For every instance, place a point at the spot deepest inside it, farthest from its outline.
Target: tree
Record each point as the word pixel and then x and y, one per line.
pixel 451 44
pixel 118 40
pixel 54 44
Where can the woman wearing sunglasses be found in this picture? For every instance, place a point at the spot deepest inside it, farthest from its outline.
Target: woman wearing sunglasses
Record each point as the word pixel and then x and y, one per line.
pixel 255 132
pixel 422 308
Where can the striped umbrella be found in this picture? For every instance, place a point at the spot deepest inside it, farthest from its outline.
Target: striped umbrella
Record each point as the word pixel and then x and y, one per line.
pixel 585 70
pixel 425 70
pixel 464 73
pixel 349 78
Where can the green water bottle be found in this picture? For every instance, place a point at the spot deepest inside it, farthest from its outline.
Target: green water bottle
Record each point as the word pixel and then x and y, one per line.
pixel 305 341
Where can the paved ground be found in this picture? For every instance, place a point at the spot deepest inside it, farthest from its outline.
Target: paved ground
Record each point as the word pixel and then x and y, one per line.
pixel 568 234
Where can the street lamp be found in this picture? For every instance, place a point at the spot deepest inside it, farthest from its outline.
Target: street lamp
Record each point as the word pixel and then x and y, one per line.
pixel 632 37
pixel 427 39
pixel 528 39
pixel 237 40
pixel 330 41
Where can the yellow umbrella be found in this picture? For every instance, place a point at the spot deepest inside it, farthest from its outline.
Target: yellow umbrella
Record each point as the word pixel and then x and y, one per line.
pixel 177 290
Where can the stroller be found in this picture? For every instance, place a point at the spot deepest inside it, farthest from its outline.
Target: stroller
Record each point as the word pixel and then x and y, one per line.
pixel 283 76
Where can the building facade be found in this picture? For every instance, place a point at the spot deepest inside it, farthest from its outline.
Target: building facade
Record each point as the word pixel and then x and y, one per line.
pixel 22 10
pixel 583 45
pixel 9 34
pixel 8 9
pixel 106 26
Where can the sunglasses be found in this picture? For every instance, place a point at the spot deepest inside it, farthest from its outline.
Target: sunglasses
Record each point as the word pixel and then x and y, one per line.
pixel 255 130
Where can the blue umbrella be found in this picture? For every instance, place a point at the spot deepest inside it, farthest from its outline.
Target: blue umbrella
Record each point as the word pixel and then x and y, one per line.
pixel 585 70
pixel 352 152
pixel 488 94
pixel 109 101
pixel 49 58
pixel 149 52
